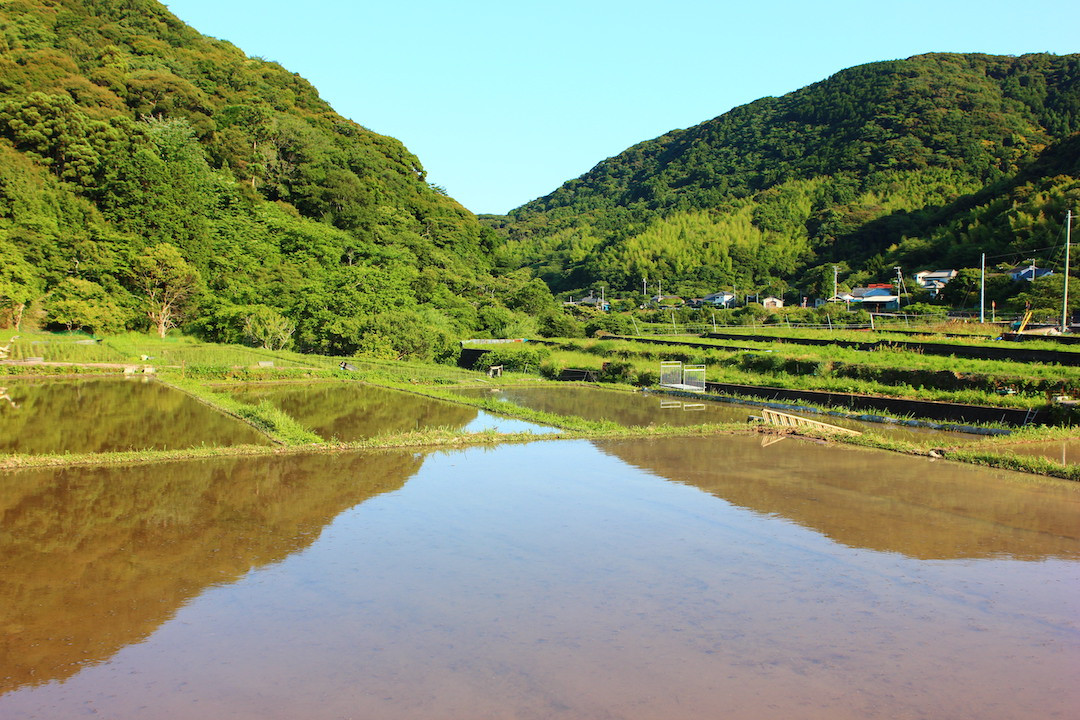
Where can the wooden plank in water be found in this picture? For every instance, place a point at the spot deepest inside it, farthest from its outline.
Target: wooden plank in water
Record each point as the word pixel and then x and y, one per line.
pixel 773 417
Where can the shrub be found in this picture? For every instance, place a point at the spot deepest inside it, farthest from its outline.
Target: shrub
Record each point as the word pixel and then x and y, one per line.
pixel 616 371
pixel 514 359
pixel 613 323
pixel 559 324
pixel 647 378
pixel 552 368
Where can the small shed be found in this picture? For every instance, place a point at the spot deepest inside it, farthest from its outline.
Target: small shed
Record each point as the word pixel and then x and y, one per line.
pixel 772 303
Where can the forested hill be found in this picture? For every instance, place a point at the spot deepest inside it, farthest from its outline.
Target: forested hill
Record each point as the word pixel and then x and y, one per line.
pixel 927 161
pixel 130 143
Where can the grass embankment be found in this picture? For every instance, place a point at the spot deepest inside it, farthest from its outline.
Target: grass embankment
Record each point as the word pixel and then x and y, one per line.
pixel 898 329
pixel 887 372
pixel 971 335
pixel 992 453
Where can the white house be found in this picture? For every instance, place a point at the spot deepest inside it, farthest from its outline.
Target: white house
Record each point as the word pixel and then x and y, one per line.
pixel 596 302
pixel 934 280
pixel 843 296
pixel 720 299
pixel 772 303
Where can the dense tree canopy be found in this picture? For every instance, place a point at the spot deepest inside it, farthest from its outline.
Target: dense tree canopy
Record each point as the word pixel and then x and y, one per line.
pixel 123 130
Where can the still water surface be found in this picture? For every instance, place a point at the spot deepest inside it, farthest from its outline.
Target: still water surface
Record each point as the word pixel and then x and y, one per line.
pixel 349 412
pixel 643 409
pixel 1066 452
pixel 677 578
pixel 102 415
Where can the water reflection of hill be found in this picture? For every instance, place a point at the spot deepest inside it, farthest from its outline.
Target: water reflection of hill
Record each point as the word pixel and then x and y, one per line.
pixel 630 409
pixel 350 412
pixel 100 415
pixel 92 560
pixel 875 500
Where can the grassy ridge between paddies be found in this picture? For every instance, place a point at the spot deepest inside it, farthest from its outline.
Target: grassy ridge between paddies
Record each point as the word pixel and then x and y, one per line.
pixel 277 425
pixel 887 372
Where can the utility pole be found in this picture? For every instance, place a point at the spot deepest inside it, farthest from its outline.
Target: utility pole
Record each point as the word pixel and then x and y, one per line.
pixel 982 290
pixel 835 270
pixel 1065 294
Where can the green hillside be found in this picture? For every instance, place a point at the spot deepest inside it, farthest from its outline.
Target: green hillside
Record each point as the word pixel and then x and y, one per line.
pixel 923 163
pixel 136 154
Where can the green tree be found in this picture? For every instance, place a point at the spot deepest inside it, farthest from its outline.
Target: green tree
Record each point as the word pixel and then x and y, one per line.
pixel 267 327
pixel 168 284
pixel 84 305
pixel 559 324
pixel 533 298
pixel 19 284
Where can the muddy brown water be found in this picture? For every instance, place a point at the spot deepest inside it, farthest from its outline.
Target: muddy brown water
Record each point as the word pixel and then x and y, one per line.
pixel 643 409
pixel 107 414
pixel 349 412
pixel 675 578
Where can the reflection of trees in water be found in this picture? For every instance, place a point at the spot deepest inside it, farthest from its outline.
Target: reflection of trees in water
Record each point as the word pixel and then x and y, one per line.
pixel 92 560
pixel 875 500
pixel 630 409
pixel 102 415
pixel 354 412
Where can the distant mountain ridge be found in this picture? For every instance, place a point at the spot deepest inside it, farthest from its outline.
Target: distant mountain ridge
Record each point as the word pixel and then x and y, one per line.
pixel 877 165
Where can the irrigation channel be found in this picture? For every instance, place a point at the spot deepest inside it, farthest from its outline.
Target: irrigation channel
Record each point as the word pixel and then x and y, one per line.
pixel 639 578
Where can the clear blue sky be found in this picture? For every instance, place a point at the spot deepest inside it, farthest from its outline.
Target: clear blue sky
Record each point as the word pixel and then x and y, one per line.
pixel 504 100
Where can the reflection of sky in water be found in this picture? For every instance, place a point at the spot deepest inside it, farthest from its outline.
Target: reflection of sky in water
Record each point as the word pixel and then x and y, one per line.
pixel 487 421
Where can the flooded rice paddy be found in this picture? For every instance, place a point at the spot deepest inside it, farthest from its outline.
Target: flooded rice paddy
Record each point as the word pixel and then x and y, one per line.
pixel 642 409
pixel 107 414
pixel 675 578
pixel 1066 452
pixel 349 412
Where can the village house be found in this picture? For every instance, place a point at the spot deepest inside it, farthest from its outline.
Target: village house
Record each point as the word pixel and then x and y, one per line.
pixel 842 296
pixel 876 297
pixel 772 303
pixel 590 300
pixel 720 299
pixel 933 281
pixel 1028 272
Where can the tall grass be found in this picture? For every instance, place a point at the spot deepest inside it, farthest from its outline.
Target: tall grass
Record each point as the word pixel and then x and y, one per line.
pixel 54 347
pixel 181 351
